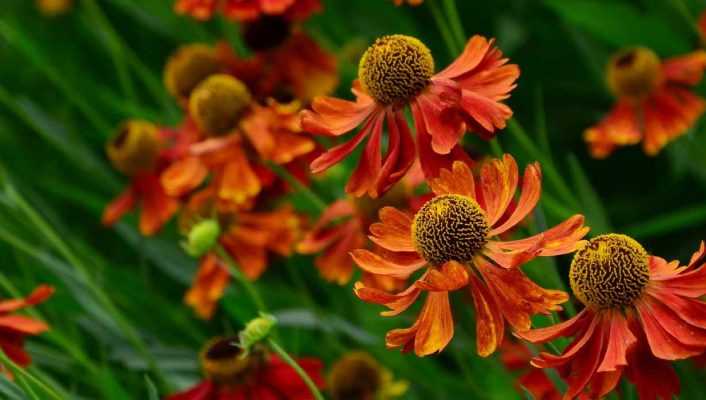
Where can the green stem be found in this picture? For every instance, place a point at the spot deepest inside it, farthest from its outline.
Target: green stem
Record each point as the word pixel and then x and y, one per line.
pixel 235 272
pixel 16 369
pixel 298 186
pixel 455 22
pixel 683 12
pixel 496 148
pixel 443 28
pixel 302 374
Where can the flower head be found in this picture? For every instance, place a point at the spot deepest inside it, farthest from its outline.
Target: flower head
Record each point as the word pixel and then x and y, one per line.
pixel 398 71
pixel 454 239
pixel 248 10
pixel 654 104
pixel 138 150
pixel 188 67
pixel 358 376
pixel 232 374
pixel 641 312
pixel 16 328
pixel 217 103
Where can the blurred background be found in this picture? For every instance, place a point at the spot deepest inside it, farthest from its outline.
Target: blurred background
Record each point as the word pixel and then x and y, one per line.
pixel 68 80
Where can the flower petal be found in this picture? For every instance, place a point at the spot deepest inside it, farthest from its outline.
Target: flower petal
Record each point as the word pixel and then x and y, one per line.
pixel 394 231
pixel 397 303
pixel 563 329
pixel 367 173
pixel 458 180
pixel 319 237
pixel 662 344
pixel 183 176
pixel 498 184
pixel 375 264
pixel 619 128
pixel 687 69
pixel 531 190
pixel 431 332
pixel 451 276
pixel 620 340
pixel 332 116
pixel 490 326
pixel 668 114
pixel 119 207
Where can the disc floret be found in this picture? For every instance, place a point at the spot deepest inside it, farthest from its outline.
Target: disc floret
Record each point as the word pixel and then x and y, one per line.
pixel 634 73
pixel 217 104
pixel 450 227
pixel 610 271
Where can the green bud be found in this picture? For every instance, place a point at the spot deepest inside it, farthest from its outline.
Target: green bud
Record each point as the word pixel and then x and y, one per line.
pixel 256 331
pixel 202 237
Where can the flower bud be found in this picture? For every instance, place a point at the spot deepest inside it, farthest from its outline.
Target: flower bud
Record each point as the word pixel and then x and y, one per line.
pixel 217 104
pixel 256 331
pixel 202 237
pixel 135 147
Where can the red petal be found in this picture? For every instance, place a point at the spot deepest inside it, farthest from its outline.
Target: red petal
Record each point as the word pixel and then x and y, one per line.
pixel 662 344
pixel 619 128
pixel 563 329
pixel 367 173
pixel 687 69
pixel 620 340
pixel 375 264
pixel 119 207
pixel 490 326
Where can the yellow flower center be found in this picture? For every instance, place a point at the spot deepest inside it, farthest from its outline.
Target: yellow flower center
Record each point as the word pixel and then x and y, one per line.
pixel 356 376
pixel 634 73
pixel 395 69
pixel 187 67
pixel 222 361
pixel 450 227
pixel 609 272
pixel 134 148
pixel 217 103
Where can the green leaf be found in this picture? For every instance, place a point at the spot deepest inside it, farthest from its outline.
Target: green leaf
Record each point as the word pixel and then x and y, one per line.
pixel 620 25
pixel 151 389
pixel 669 222
pixel 591 203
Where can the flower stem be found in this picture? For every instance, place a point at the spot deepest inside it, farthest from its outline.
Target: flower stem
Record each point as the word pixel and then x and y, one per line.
pixel 297 368
pixel 235 272
pixel 300 187
pixel 446 33
pixel 455 22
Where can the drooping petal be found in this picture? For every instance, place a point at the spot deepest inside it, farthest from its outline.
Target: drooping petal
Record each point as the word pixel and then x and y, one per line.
pixel 394 231
pixel 400 155
pixel 498 182
pixel 693 311
pixel 238 182
pixel 431 332
pixel 620 339
pixel 438 108
pixel 208 287
pixel 563 329
pixel 367 173
pixel 458 180
pixel 319 236
pixel 662 344
pixel 687 69
pixel 561 239
pixel 490 326
pixel 375 264
pixel 619 128
pixel 332 116
pixel 397 303
pixel 654 378
pixel 40 294
pixel 583 367
pixel 335 264
pixel 157 207
pixel 22 325
pixel 578 346
pixel 120 206
pixel 690 335
pixel 451 276
pixel 668 114
pixel 183 176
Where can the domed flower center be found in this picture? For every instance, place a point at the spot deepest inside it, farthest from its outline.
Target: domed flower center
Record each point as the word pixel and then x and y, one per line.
pixel 187 67
pixel 395 69
pixel 356 376
pixel 449 227
pixel 634 73
pixel 221 360
pixel 134 148
pixel 266 32
pixel 217 103
pixel 610 271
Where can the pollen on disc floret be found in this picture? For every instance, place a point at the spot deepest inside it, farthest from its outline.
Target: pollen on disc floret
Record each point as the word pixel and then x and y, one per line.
pixel 395 68
pixel 634 73
pixel 449 227
pixel 610 271
pixel 217 104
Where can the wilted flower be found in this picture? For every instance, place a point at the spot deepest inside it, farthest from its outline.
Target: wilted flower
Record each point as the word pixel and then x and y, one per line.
pixel 231 374
pixel 454 238
pixel 654 103
pixel 641 313
pixel 358 376
pixel 138 151
pixel 398 71
pixel 16 327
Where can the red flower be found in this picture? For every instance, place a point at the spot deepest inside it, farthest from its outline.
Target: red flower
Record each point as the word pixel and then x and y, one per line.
pixel 248 237
pixel 641 313
pixel 398 71
pixel 14 328
pixel 259 375
pixel 139 151
pixel 454 238
pixel 248 10
pixel 516 357
pixel 654 103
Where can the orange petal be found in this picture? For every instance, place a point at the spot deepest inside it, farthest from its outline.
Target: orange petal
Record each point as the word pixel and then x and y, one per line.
pixel 490 326
pixel 23 325
pixel 498 184
pixel 662 344
pixel 118 207
pixel 620 341
pixel 668 114
pixel 431 332
pixel 451 276
pixel 619 128
pixel 183 176
pixel 332 116
pixel 40 294
pixel 397 303
pixel 375 264
pixel 457 181
pixel 531 190
pixel 687 69
pixel 394 231
pixel 239 182
pixel 208 287
pixel 319 237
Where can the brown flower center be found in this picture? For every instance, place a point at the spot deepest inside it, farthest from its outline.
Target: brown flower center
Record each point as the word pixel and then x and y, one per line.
pixel 187 67
pixel 356 376
pixel 450 227
pixel 395 69
pixel 222 361
pixel 609 272
pixel 266 32
pixel 217 103
pixel 634 73
pixel 134 148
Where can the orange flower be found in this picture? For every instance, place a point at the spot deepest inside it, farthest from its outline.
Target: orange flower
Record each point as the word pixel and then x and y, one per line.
pixel 454 236
pixel 138 151
pixel 641 313
pixel 234 142
pixel 398 71
pixel 341 229
pixel 232 375
pixel 248 10
pixel 654 104
pixel 248 237
pixel 14 328
pixel 516 357
pixel 290 64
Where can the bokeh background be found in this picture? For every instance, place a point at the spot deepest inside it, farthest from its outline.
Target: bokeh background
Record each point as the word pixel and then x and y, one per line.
pixel 67 81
